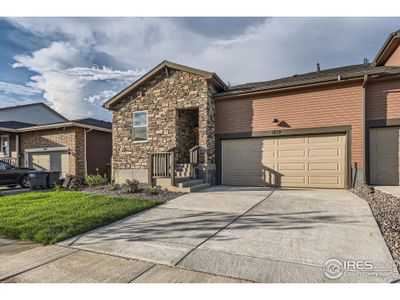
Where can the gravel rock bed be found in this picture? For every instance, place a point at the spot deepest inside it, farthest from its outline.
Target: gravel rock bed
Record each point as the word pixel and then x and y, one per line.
pixel 162 195
pixel 386 210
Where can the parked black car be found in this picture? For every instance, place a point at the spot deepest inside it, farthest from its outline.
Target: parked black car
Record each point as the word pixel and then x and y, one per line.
pixel 11 175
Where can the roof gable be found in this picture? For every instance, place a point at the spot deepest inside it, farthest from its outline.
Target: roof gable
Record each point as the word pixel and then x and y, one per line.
pixel 34 113
pixel 391 44
pixel 163 67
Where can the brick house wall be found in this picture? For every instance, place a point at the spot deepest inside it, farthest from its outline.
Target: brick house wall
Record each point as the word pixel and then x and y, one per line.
pixel 162 97
pixel 326 106
pixel 71 137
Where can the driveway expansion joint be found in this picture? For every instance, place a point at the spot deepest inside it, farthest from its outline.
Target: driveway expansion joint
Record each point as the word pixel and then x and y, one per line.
pixel 226 226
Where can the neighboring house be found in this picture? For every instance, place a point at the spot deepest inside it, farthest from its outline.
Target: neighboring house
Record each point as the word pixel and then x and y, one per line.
pixel 39 137
pixel 331 128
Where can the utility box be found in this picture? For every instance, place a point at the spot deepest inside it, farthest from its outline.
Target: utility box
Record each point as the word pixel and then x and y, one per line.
pixel 38 179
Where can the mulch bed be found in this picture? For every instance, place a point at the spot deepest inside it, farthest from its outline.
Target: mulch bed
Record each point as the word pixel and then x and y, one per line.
pixel 162 195
pixel 386 210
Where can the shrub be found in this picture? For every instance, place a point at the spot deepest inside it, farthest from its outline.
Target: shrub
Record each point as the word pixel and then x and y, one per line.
pixel 152 190
pixel 95 180
pixel 75 184
pixel 58 188
pixel 114 186
pixel 132 186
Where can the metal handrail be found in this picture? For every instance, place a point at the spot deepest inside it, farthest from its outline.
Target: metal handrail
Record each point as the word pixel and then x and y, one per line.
pixel 194 154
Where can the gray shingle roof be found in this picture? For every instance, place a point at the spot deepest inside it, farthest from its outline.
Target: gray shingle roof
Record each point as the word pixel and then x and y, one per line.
pixel 15 124
pixel 347 72
pixel 94 122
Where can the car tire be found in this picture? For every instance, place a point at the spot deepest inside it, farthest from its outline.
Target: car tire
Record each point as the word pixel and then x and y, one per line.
pixel 25 182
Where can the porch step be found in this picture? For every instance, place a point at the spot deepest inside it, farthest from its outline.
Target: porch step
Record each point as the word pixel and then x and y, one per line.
pixel 182 174
pixel 180 179
pixel 190 183
pixel 190 189
pixel 182 165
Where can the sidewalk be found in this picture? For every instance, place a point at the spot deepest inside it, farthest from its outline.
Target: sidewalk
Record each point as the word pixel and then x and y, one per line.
pixel 27 262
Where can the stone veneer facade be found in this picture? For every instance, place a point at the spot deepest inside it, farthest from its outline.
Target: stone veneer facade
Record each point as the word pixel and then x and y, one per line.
pixel 163 97
pixel 71 137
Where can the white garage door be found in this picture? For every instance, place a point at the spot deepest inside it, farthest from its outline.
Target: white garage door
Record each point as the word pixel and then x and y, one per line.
pixel 299 161
pixel 51 161
pixel 384 155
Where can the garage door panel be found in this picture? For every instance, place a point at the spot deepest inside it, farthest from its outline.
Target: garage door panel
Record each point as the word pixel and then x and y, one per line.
pixel 325 166
pixel 322 153
pixel 324 180
pixel 291 141
pixel 50 161
pixel 291 153
pixel 307 161
pixel 291 166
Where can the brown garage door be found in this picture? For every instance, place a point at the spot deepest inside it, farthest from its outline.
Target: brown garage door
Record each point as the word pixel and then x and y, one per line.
pixel 299 161
pixel 384 155
pixel 51 161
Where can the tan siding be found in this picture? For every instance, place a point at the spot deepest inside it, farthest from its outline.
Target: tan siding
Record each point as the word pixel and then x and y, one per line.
pixel 311 108
pixel 383 100
pixel 394 59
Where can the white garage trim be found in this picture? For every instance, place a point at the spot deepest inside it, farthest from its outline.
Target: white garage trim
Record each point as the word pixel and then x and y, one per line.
pixel 33 150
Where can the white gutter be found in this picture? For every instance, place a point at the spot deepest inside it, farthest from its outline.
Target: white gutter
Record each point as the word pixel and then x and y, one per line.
pixel 55 125
pixel 84 148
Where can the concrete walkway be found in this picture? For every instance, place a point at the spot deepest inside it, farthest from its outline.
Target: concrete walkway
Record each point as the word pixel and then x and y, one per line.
pixel 255 234
pixel 389 189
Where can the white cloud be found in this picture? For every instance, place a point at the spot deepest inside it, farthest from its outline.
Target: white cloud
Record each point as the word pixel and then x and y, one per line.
pixel 66 85
pixel 17 89
pixel 104 73
pixel 101 98
pixel 68 72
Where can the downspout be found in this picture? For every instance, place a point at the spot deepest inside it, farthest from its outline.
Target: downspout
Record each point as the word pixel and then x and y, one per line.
pixel 364 85
pixel 84 148
pixel 17 148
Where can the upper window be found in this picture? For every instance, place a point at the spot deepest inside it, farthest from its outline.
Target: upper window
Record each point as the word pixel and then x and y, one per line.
pixel 5 145
pixel 140 126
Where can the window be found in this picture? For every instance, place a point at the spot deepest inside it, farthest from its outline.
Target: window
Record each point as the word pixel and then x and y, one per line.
pixel 140 126
pixel 4 145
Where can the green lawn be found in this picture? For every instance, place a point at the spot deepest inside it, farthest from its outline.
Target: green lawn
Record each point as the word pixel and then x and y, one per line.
pixel 49 217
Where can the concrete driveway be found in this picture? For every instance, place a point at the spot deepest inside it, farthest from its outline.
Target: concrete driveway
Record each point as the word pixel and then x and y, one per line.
pixel 257 234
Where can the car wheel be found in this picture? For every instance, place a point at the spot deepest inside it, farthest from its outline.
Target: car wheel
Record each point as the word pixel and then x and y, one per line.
pixel 25 182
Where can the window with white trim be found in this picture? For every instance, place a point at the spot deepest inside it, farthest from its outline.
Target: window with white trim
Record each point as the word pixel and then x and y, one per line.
pixel 5 145
pixel 139 132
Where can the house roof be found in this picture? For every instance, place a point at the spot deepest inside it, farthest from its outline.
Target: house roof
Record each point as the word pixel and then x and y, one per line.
pixel 38 104
pixel 14 124
pixel 163 66
pixel 391 44
pixel 94 122
pixel 324 76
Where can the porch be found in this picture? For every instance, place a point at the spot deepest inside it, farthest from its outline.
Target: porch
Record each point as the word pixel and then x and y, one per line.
pixel 9 148
pixel 183 176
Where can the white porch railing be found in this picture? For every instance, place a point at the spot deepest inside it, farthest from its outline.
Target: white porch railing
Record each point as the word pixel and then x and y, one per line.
pixel 10 160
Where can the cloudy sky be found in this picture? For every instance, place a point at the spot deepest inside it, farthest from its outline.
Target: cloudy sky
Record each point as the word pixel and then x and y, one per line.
pixel 75 64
